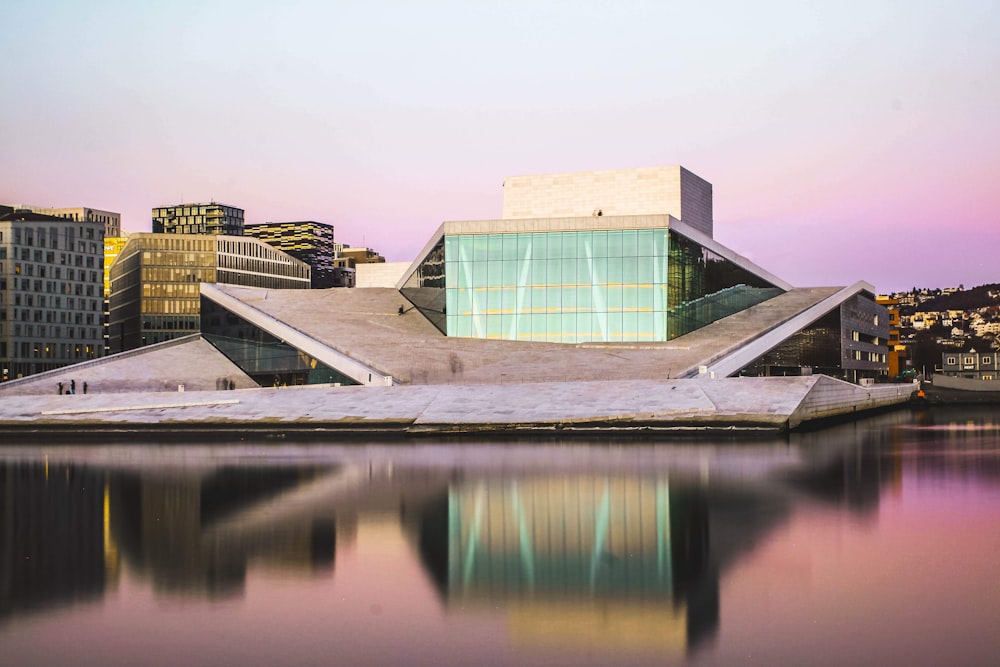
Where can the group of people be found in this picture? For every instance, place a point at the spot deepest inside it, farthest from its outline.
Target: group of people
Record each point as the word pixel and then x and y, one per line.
pixel 72 388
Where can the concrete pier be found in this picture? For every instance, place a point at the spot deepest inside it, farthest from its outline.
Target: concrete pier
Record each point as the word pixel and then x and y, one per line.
pixel 737 405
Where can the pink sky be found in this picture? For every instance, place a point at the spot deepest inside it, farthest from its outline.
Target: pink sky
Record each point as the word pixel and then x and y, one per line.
pixel 846 142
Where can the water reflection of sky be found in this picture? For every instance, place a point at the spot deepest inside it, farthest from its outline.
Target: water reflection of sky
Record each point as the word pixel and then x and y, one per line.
pixel 864 543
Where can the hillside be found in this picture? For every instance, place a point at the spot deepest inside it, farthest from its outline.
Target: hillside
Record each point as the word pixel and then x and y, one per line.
pixel 970 299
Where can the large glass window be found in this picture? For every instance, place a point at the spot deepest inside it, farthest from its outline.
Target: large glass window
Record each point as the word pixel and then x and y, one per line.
pixel 629 285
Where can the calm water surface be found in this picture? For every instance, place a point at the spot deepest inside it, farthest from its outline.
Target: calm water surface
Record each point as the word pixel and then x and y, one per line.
pixel 876 542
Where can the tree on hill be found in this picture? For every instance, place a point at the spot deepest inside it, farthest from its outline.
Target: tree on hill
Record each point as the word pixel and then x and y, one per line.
pixel 971 299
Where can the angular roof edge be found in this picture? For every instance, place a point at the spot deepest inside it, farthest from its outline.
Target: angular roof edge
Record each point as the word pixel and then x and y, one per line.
pixel 357 371
pixel 745 355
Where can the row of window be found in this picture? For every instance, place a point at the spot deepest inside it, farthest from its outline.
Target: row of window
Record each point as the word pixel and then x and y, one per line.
pixel 54 302
pixel 49 350
pixel 47 330
pixel 53 287
pixel 969 360
pixel 32 236
pixel 877 357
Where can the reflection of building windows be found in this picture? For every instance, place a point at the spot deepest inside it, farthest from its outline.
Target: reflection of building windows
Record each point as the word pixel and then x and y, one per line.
pixel 951 361
pixel 987 361
pixel 969 361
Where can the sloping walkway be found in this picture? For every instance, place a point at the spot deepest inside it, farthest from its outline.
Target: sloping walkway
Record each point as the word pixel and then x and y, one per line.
pixel 365 325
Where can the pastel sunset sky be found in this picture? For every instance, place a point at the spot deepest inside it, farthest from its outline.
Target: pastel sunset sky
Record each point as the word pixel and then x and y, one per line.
pixel 845 141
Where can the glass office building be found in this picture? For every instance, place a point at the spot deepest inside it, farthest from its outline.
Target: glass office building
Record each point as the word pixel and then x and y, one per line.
pixel 154 295
pixel 638 284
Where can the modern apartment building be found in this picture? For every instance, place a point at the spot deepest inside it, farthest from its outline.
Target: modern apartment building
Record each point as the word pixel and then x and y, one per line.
pixel 50 290
pixel 210 218
pixel 155 278
pixel 112 221
pixel 313 243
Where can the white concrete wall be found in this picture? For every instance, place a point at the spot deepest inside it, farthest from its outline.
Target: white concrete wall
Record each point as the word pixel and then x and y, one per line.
pixel 651 190
pixel 831 397
pixel 384 274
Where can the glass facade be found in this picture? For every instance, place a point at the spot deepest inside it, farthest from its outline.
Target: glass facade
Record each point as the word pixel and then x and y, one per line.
pixel 155 294
pixel 625 285
pixel 266 359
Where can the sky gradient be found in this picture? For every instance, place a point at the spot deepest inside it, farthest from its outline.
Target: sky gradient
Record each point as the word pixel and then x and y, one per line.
pixel 848 141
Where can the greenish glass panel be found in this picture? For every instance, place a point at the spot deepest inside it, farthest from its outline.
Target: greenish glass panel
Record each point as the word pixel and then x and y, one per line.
pixel 584 245
pixel 553 246
pixel 463 301
pixel 630 270
pixel 493 326
pixel 630 243
pixel 508 272
pixel 569 245
pixel 524 249
pixel 615 298
pixel 463 326
pixel 509 247
pixel 553 298
pixel 614 271
pixel 508 299
pixel 480 243
pixel 567 270
pixel 644 243
pixel 538 326
pixel 645 297
pixel 479 274
pixel 600 244
pixel 493 300
pixel 494 273
pixel 465 248
pixel 537 299
pixel 523 326
pixel 538 245
pixel 615 245
pixel 630 326
pixel 506 328
pixel 568 296
pixel 644 270
pixel 553 327
pixel 537 272
pixel 494 247
pixel 645 325
pixel 630 297
pixel 585 298
pixel 553 272
pixel 584 268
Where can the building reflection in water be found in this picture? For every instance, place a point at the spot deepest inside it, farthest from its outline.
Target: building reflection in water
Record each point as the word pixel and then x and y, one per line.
pixel 53 546
pixel 615 559
pixel 169 527
pixel 611 561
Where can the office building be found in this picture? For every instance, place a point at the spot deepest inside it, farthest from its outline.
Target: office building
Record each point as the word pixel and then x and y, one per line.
pixel 355 256
pixel 154 293
pixel 112 221
pixel 210 218
pixel 50 291
pixel 313 243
